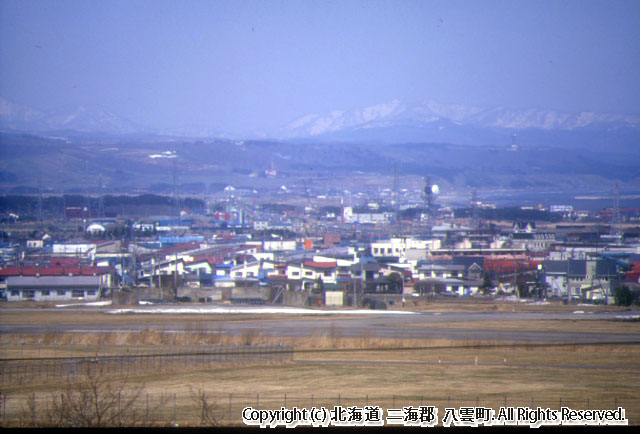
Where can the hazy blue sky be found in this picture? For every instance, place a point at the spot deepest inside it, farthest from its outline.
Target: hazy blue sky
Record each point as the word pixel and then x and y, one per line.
pixel 251 65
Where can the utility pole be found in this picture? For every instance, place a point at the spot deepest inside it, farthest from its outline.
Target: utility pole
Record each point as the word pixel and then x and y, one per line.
pixel 428 197
pixel 100 198
pixel 475 223
pixel 40 216
pixel 176 195
pixel 175 277
pixel 64 209
pixel 615 218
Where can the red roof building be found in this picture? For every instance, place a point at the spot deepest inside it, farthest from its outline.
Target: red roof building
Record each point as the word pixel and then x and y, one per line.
pixel 54 271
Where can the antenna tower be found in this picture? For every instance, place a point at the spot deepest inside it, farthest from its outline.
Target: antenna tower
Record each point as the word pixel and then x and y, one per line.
pixel 428 197
pixel 100 198
pixel 396 187
pixel 86 208
pixel 514 144
pixel 615 218
pixel 176 196
pixel 40 216
pixel 475 221
pixel 64 208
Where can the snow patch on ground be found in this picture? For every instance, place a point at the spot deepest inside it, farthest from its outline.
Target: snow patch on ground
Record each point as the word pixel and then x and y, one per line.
pixel 511 298
pixel 629 317
pixel 257 310
pixel 91 303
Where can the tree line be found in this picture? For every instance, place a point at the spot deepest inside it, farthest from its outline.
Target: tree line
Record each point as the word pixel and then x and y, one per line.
pixel 53 205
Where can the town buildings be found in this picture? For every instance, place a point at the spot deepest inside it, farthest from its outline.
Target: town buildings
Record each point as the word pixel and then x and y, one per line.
pixel 308 255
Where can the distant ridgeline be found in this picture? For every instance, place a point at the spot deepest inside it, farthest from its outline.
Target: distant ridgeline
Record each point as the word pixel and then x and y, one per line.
pixel 510 214
pixel 54 206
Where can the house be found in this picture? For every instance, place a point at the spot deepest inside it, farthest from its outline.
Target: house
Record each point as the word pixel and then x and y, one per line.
pixel 555 277
pixel 533 241
pixel 366 216
pixel 587 279
pixel 169 241
pixel 447 285
pixel 461 278
pixel 143 227
pixel 401 248
pixel 87 250
pixel 53 288
pixel 200 265
pixel 523 227
pixel 56 283
pixel 245 270
pixel 173 225
pixel 372 277
pixel 35 244
pixel 632 278
pixel 162 268
pixel 443 271
pixel 309 273
pixel 279 245
pixel 474 266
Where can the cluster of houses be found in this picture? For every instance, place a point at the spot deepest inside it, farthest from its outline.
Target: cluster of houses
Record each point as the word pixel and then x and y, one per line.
pixel 327 270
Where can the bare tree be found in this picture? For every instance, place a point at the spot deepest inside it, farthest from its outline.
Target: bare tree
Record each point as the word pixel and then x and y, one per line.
pixel 206 408
pixel 95 400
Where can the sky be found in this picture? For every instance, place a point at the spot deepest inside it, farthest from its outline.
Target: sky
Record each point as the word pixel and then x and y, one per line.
pixel 245 65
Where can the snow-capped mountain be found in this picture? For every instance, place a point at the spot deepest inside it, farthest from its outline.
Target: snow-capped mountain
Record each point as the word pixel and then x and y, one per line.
pixel 84 119
pixel 94 119
pixel 391 122
pixel 19 117
pixel 435 121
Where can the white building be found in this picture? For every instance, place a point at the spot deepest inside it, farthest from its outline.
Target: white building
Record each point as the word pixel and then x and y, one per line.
pixel 400 247
pixel 54 288
pixel 75 249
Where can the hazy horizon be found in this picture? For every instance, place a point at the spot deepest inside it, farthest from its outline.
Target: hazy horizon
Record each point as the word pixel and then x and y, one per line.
pixel 257 65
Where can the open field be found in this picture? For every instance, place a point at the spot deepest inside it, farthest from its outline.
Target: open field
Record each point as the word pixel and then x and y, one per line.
pixel 413 304
pixel 331 367
pixel 482 304
pixel 444 377
pixel 590 326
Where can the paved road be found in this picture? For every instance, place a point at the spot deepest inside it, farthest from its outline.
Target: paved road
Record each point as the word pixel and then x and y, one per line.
pixel 414 326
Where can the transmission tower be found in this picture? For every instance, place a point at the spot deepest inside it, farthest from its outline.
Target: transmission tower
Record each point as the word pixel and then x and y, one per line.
pixel 176 196
pixel 475 221
pixel 64 208
pixel 40 214
pixel 428 198
pixel 100 198
pixel 615 217
pixel 396 188
pixel 514 144
pixel 86 208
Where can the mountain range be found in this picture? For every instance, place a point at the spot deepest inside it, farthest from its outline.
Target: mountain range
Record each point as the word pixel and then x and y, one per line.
pixel 82 119
pixel 459 146
pixel 395 112
pixel 434 122
pixel 391 122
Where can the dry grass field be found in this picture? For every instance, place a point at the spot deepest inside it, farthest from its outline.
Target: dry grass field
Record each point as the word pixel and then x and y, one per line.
pixel 330 369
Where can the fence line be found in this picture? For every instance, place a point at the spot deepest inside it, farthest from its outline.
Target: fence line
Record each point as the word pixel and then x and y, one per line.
pixel 180 408
pixel 68 369
pixel 31 350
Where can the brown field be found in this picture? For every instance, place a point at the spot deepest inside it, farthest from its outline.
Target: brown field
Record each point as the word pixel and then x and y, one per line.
pixel 584 326
pixel 463 304
pixel 330 368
